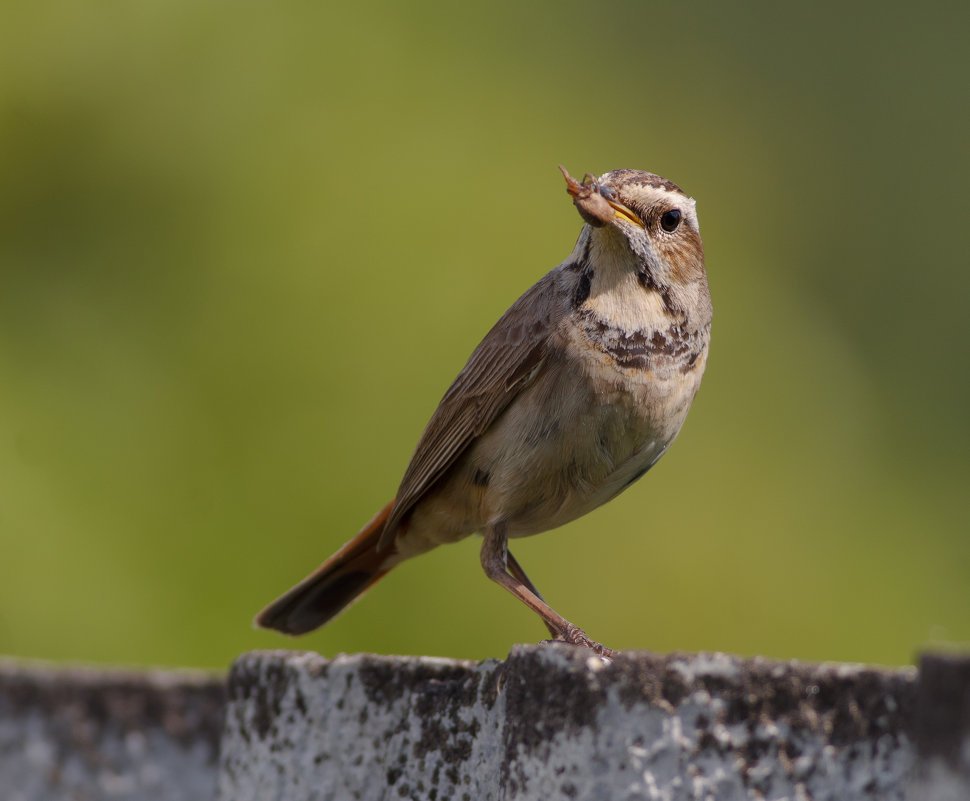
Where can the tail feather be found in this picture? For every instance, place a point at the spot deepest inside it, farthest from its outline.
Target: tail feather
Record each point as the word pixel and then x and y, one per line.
pixel 334 585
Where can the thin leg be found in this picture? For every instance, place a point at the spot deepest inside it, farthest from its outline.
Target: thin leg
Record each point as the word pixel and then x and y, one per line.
pixel 516 570
pixel 495 563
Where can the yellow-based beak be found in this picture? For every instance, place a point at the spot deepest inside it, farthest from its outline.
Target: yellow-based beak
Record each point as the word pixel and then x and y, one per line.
pixel 625 214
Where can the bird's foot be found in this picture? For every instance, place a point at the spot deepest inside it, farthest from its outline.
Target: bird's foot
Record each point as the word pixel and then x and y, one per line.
pixel 576 636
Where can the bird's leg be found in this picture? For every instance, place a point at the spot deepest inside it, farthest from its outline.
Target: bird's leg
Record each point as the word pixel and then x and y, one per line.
pixel 517 572
pixel 495 557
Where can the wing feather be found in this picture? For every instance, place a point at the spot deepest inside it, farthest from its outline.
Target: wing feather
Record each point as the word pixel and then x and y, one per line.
pixel 504 362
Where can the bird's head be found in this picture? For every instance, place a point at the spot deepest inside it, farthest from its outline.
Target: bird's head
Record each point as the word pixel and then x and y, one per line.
pixel 649 217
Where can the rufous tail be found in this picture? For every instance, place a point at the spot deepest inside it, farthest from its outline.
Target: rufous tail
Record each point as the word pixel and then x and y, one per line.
pixel 333 586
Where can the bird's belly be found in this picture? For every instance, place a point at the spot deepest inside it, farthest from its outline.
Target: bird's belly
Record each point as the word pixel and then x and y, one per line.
pixel 579 490
pixel 559 451
pixel 564 448
pixel 588 461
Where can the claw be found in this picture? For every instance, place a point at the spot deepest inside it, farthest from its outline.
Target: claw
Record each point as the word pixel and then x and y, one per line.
pixel 576 636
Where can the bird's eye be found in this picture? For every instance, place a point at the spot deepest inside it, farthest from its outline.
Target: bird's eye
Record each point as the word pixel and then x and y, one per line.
pixel 669 220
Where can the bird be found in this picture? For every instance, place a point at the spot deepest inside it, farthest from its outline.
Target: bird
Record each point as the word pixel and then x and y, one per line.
pixel 571 397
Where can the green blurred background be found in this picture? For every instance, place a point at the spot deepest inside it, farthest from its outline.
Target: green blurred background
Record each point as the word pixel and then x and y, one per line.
pixel 244 248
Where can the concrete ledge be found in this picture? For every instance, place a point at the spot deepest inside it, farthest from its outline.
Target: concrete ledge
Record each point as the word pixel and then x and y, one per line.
pixel 84 734
pixel 552 722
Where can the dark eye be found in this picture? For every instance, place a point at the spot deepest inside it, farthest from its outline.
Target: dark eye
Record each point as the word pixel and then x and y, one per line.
pixel 669 220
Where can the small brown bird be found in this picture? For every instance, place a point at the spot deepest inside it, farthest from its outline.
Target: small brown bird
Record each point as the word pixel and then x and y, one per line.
pixel 575 393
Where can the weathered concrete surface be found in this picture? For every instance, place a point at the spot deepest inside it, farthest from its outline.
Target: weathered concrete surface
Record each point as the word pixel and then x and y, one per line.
pixel 91 734
pixel 553 722
pixel 941 729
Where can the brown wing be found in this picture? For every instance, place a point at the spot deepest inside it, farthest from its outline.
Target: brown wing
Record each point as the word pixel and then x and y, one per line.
pixel 503 363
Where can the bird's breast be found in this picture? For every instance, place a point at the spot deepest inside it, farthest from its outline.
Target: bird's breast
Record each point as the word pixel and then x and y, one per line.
pixel 654 368
pixel 656 352
pixel 603 407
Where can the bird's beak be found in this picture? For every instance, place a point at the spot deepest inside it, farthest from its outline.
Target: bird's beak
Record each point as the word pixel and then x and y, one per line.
pixel 623 213
pixel 594 202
